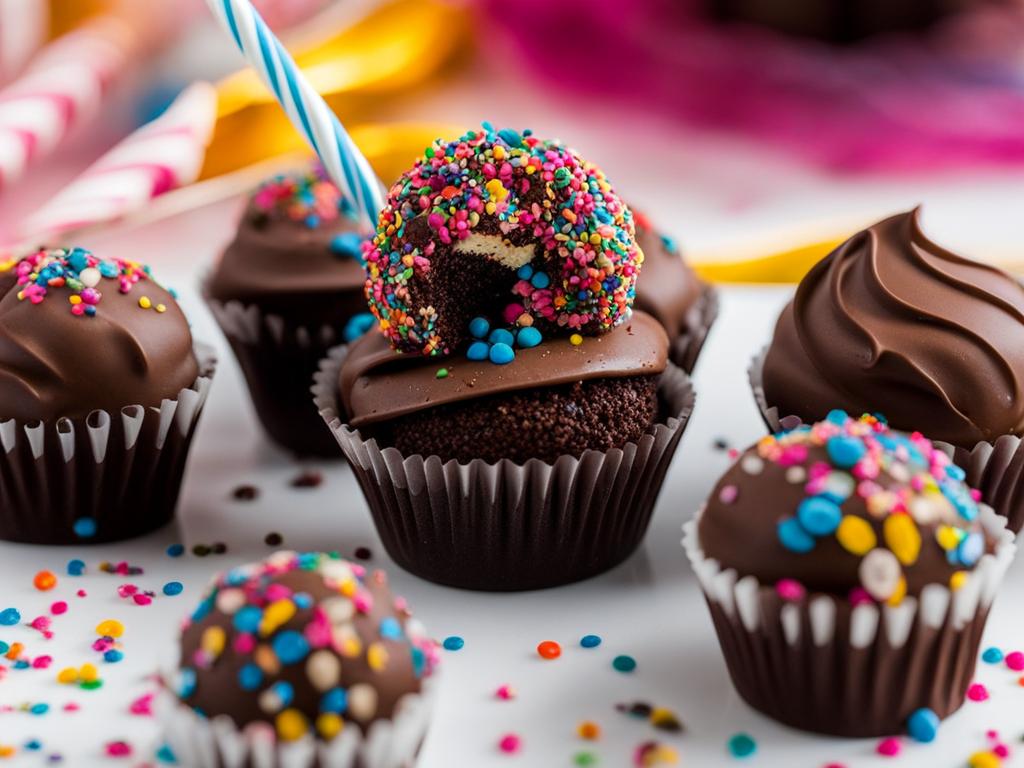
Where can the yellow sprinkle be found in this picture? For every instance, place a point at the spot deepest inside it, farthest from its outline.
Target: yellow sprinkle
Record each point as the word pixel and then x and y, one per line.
pixel 903 538
pixel 901 592
pixel 595 239
pixel 291 725
pixel 984 760
pixel 110 628
pixel 856 535
pixel 144 302
pixel 957 580
pixel 161 308
pixel 67 676
pixel 575 339
pixel 74 299
pixel 499 152
pixel 213 641
pixel 377 656
pixel 329 725
pixel 948 537
pixel 88 673
pixel 276 614
pixel 491 208
pixel 348 587
pixel 496 190
pixel 6 750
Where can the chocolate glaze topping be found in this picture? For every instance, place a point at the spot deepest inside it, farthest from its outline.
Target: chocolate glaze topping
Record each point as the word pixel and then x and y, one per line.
pixel 667 287
pixel 377 384
pixel 890 322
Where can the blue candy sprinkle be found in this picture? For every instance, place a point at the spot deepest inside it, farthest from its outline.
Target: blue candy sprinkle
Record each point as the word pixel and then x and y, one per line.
pixel 624 663
pixel 186 682
pixel 955 472
pixel 453 643
pixel 335 700
pixel 590 641
pixel 527 338
pixel 971 549
pixel 284 692
pixel 540 281
pixel 479 327
pixel 33 745
pixel 302 600
pixel 247 618
pixel 793 536
pixel 511 137
pixel 390 629
pixel 290 646
pixel 357 326
pixel 348 245
pixel 175 550
pixel 250 677
pixel 84 527
pixel 172 588
pixel 818 515
pixel 845 451
pixel 502 354
pixel 837 416
pixel 39 709
pixel 501 336
pixel 113 656
pixel 992 656
pixel 4 647
pixel 923 725
pixel 76 567
pixel 166 755
pixel 478 351
pixel 742 745
pixel 525 272
pixel 669 243
pixel 9 617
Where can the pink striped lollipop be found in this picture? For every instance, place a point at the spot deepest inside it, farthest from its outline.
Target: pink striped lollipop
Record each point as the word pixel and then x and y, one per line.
pixel 62 87
pixel 162 155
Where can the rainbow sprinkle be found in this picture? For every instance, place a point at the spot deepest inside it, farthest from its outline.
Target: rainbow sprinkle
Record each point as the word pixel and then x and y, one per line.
pixel 308 197
pixel 503 183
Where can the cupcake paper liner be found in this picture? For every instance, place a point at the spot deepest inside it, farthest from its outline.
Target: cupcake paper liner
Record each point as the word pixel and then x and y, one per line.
pixel 198 742
pixel 508 526
pixel 278 359
pixel 820 664
pixel 685 349
pixel 996 469
pixel 118 474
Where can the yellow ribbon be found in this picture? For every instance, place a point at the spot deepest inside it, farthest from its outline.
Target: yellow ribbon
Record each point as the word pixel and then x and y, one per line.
pixel 788 266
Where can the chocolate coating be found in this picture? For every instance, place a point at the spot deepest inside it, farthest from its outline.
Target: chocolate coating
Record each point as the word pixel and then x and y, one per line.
pixel 376 384
pixel 667 288
pixel 890 322
pixel 55 364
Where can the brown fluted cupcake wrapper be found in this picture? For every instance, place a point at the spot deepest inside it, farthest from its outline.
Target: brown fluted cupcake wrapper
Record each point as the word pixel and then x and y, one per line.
pixel 199 742
pixel 104 477
pixel 996 469
pixel 507 526
pixel 821 664
pixel 278 360
pixel 685 348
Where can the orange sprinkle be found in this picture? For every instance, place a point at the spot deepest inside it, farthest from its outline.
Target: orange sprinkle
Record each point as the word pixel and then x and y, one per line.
pixel 549 649
pixel 45 581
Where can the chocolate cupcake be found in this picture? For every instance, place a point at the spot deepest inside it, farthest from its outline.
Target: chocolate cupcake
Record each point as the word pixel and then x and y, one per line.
pixel 849 572
pixel 892 323
pixel 512 425
pixel 670 291
pixel 100 392
pixel 289 287
pixel 303 660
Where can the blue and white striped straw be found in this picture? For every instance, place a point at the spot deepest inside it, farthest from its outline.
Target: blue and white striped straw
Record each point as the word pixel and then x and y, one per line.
pixel 305 107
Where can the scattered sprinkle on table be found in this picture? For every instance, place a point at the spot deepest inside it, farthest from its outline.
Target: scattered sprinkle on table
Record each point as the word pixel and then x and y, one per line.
pixel 505 693
pixel 309 478
pixel 1015 661
pixel 977 692
pixel 549 649
pixel 923 725
pixel 584 758
pixel 588 730
pixel 624 663
pixel 9 617
pixel 44 581
pixel 453 643
pixel 889 747
pixel 510 743
pixel 742 745
pixel 363 553
pixel 175 550
pixel 992 656
pixel 273 539
pixel 172 588
pixel 76 568
pixel 590 641
pixel 245 493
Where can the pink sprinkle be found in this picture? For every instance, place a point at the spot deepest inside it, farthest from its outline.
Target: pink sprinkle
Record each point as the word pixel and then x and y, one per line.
pixel 889 747
pixel 835 765
pixel 728 494
pixel 42 623
pixel 977 692
pixel 790 590
pixel 793 455
pixel 992 734
pixel 1015 661
pixel 505 693
pixel 512 313
pixel 1001 750
pixel 860 596
pixel 81 593
pixel 510 743
pixel 127 590
pixel 733 453
pixel 142 599
pixel 71 707
pixel 58 608
pixel 119 749
pixel 244 643
pixel 42 662
pixel 142 705
pixel 277 592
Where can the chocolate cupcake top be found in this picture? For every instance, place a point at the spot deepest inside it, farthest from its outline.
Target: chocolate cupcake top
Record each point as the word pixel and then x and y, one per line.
pixel 298 238
pixel 668 288
pixel 890 322
pixel 308 642
pixel 79 333
pixel 846 507
pixel 461 226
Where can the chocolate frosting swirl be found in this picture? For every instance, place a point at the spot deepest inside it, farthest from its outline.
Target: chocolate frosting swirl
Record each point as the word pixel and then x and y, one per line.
pixel 54 364
pixel 890 322
pixel 377 384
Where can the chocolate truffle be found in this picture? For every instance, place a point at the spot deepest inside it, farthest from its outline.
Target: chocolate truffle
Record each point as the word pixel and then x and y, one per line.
pixel 80 334
pixel 861 555
pixel 669 290
pixel 892 323
pixel 287 288
pixel 311 644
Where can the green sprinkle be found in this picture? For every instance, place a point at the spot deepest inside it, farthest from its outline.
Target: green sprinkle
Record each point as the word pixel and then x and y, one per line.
pixel 442 373
pixel 584 758
pixel 624 663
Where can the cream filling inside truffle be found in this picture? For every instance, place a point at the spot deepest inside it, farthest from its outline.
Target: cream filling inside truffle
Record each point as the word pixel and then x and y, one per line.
pixel 497 248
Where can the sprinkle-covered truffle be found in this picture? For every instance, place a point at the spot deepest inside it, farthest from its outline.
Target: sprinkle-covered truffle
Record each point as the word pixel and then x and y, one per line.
pixel 511 200
pixel 307 196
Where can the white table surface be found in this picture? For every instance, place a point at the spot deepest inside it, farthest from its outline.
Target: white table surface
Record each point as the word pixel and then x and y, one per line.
pixel 650 607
